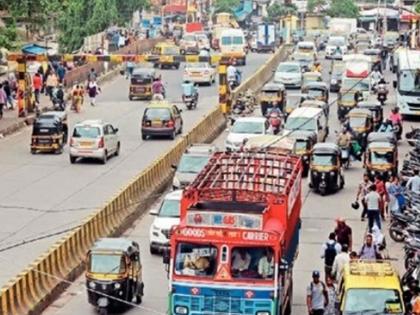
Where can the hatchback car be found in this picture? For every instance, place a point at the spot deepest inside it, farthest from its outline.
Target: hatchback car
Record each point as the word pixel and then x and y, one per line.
pixel 166 216
pixel 199 72
pixel 94 139
pixel 245 128
pixel 192 162
pixel 161 118
pixel 289 74
pixel 188 44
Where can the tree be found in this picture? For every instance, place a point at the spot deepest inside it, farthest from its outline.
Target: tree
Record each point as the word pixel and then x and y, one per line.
pixel 417 6
pixel 315 5
pixel 225 5
pixel 343 8
pixel 8 36
pixel 104 14
pixel 126 8
pixel 276 10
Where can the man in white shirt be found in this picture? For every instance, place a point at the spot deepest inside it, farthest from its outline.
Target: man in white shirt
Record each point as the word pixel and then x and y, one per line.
pixel 266 265
pixel 413 183
pixel 241 261
pixel 372 203
pixel 340 261
pixel 231 72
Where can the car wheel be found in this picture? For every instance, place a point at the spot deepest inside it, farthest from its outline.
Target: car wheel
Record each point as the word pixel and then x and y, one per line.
pixel 73 159
pixel 173 135
pixel 33 151
pixel 130 98
pixel 153 250
pixel 105 158
pixel 117 152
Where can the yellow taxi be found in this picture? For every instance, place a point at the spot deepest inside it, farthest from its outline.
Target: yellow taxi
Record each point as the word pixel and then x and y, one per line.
pixel 168 55
pixel 369 287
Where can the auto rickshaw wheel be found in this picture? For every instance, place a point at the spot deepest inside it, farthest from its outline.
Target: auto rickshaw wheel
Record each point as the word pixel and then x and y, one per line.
pixel 33 151
pixel 130 97
pixel 117 152
pixel 323 191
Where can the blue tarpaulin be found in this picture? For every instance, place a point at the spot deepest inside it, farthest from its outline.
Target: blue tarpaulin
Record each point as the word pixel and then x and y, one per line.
pixel 34 49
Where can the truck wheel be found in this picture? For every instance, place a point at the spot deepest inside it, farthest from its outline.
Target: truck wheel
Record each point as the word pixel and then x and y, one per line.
pixel 73 159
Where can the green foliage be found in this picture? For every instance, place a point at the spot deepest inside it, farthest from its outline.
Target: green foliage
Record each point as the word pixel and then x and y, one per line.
pixel 225 5
pixel 343 8
pixel 417 6
pixel 315 5
pixel 276 10
pixel 8 36
pixel 126 8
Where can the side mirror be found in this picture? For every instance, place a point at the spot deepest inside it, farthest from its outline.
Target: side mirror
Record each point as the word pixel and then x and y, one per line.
pixel 154 211
pixel 166 256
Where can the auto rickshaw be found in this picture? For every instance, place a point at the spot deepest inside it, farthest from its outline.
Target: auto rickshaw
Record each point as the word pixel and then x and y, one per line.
pixel 325 168
pixel 304 142
pixel 381 156
pixel 360 121
pixel 167 53
pixel 114 269
pixel 49 132
pixel 316 104
pixel 141 83
pixel 272 95
pixel 345 103
pixel 310 77
pixel 317 90
pixel 376 109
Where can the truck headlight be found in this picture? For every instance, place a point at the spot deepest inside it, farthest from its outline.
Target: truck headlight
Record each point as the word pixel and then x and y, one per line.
pixel 181 310
pixel 263 313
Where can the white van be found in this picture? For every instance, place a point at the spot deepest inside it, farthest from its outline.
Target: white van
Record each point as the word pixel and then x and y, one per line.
pixel 310 119
pixel 233 44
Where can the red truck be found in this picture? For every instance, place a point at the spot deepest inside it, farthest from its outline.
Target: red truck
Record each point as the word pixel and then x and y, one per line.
pixel 234 249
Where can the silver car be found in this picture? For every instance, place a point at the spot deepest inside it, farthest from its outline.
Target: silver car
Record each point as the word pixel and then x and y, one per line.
pixel 94 139
pixel 289 74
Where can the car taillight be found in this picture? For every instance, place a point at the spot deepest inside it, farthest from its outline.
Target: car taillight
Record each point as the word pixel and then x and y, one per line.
pixel 101 143
pixel 147 123
pixel 170 124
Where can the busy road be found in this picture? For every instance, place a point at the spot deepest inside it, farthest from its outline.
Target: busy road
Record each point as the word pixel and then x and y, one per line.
pixel 44 194
pixel 318 220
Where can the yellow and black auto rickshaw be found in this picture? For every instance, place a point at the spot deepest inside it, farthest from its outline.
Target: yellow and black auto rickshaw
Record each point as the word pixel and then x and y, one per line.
pixel 114 270
pixel 316 104
pixel 317 90
pixel 168 55
pixel 304 142
pixel 376 109
pixel 346 101
pixel 310 77
pixel 325 168
pixel 49 132
pixel 272 95
pixel 360 120
pixel 141 83
pixel 381 156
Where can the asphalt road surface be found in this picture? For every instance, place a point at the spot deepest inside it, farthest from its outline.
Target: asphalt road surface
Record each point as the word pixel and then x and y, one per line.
pixel 41 194
pixel 318 220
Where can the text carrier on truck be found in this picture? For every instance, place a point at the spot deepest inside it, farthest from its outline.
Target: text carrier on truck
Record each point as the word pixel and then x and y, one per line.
pixel 234 249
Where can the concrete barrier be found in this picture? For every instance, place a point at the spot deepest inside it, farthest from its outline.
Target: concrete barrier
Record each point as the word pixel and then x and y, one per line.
pixel 38 285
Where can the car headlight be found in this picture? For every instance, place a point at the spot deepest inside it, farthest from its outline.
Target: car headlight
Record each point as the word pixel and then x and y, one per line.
pixel 263 313
pixel 389 172
pixel 333 81
pixel 372 172
pixel 117 286
pixel 181 310
pixel 364 134
pixel 305 157
pixel 92 285
pixel 323 175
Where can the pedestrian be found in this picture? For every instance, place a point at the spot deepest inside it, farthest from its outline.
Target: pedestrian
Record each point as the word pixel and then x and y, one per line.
pixel 9 95
pixel 92 76
pixel 61 73
pixel 330 249
pixel 316 295
pixel 340 261
pixel 343 233
pixel 51 83
pixel 410 293
pixel 93 90
pixel 3 100
pixel 380 189
pixel 393 189
pixel 372 202
pixel 413 184
pixel 369 250
pixel 331 308
pixel 37 84
pixel 362 192
pixel 415 302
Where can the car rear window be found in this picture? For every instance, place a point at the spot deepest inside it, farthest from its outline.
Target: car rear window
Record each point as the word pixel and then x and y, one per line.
pixel 157 114
pixel 86 132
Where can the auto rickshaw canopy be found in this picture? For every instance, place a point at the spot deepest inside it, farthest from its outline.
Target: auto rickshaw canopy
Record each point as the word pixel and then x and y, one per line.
pixel 323 86
pixel 314 103
pixel 326 148
pixel 273 87
pixel 115 245
pixel 303 135
pixel 382 137
pixel 360 112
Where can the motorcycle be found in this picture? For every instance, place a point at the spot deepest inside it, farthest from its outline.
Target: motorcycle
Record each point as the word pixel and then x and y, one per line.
pixel 382 92
pixel 274 120
pixel 190 101
pixel 399 222
pixel 59 104
pixel 413 136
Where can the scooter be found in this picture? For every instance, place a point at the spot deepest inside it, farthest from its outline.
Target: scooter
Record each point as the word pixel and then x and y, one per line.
pixel 413 136
pixel 382 93
pixel 190 101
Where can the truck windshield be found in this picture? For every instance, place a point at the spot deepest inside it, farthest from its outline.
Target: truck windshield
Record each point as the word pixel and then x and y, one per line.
pixel 252 263
pixel 409 82
pixel 378 301
pixel 108 264
pixel 197 260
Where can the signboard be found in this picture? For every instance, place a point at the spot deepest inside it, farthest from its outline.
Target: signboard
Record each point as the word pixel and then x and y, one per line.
pixel 231 236
pixel 227 220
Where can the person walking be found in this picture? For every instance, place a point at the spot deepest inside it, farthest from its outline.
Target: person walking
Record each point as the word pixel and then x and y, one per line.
pixel 61 73
pixel 316 295
pixel 330 309
pixel 93 90
pixel 37 84
pixel 380 189
pixel 362 192
pixel 3 100
pixel 92 75
pixel 369 250
pixel 340 261
pixel 344 233
pixel 392 187
pixel 9 96
pixel 52 83
pixel 329 251
pixel 413 184
pixel 372 202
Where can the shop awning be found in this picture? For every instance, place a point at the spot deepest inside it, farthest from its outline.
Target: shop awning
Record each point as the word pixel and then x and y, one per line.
pixel 34 49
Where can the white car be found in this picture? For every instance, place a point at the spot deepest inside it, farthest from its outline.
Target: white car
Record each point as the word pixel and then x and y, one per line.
pixel 94 139
pixel 331 47
pixel 166 216
pixel 289 74
pixel 199 72
pixel 245 128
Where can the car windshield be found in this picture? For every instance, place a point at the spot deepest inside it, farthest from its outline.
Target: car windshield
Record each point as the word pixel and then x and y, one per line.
pixel 367 301
pixel 252 263
pixel 357 122
pixel 192 163
pixel 324 159
pixel 381 157
pixel 170 208
pixel 86 132
pixel 248 127
pixel 157 114
pixel 409 81
pixel 198 260
pixel 285 67
pixel 195 65
pixel 300 123
pixel 105 263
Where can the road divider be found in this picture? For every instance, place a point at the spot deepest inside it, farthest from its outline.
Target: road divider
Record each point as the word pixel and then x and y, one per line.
pixel 38 285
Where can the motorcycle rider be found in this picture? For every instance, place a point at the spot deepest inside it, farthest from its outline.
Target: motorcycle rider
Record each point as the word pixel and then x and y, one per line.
pixel 382 90
pixel 189 90
pixel 275 117
pixel 376 76
pixel 344 140
pixel 386 126
pixel 58 97
pixel 233 75
pixel 158 87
